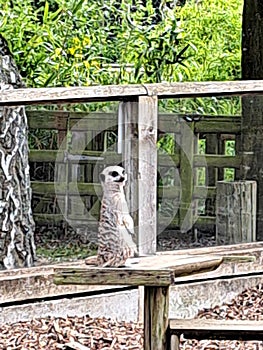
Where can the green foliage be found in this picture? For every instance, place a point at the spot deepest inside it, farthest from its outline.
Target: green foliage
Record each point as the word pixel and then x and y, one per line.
pixel 80 42
pixel 69 43
pixel 213 30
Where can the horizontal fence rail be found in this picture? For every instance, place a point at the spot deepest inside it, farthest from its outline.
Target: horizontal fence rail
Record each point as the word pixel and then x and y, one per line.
pixel 60 95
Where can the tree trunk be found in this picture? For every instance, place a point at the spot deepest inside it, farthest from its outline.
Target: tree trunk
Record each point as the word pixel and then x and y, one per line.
pixel 17 248
pixel 252 106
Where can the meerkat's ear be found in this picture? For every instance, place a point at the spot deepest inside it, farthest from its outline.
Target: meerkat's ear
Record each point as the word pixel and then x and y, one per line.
pixel 102 177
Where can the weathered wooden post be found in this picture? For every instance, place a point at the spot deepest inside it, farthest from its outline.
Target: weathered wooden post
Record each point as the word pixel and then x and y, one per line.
pixel 236 212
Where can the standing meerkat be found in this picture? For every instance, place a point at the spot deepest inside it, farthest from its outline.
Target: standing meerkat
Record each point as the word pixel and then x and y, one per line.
pixel 116 228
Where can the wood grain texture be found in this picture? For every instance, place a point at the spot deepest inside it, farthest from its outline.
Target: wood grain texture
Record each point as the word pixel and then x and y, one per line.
pixel 34 96
pixel 156 309
pixel 187 146
pixel 150 271
pixel 217 329
pixel 147 172
pixel 236 212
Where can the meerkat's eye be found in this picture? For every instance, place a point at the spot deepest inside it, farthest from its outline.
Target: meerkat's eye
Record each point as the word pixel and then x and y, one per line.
pixel 114 174
pixel 123 172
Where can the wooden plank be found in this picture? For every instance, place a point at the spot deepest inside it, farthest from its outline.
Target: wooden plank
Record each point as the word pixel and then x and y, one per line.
pixel 217 329
pixel 81 156
pixel 94 189
pixel 33 96
pixel 236 212
pixel 129 117
pixel 109 276
pixel 150 271
pixel 219 161
pixel 156 310
pixel 93 122
pixel 59 95
pixel 205 89
pixel 217 126
pixel 47 119
pixel 239 249
pixel 168 122
pixel 187 145
pixel 211 147
pixel 76 173
pixel 147 172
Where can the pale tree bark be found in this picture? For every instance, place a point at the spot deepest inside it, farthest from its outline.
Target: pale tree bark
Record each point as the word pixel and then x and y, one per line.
pixel 252 106
pixel 17 248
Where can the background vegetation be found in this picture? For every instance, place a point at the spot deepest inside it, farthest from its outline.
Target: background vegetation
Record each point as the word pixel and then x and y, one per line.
pixel 90 42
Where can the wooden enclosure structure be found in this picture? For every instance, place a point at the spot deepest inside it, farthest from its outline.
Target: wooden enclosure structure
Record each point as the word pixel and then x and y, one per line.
pixel 139 109
pixel 87 127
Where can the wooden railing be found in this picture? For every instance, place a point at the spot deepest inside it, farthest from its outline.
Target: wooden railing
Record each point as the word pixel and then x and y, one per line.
pixel 214 130
pixel 140 105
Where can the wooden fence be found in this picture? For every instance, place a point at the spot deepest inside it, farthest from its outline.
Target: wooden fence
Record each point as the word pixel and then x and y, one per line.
pixel 140 107
pixel 77 189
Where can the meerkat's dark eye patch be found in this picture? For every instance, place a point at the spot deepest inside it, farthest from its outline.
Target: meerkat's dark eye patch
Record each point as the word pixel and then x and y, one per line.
pixel 123 172
pixel 114 173
pixel 102 177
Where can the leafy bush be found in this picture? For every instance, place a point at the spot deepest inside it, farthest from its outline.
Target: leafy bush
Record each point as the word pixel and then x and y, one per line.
pixel 62 43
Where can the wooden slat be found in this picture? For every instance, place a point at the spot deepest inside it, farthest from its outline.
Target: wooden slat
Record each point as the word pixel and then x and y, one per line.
pixel 59 95
pixel 94 189
pixel 73 189
pixel 217 126
pixel 77 156
pixel 147 173
pixel 47 119
pixel 187 145
pixel 219 161
pixel 93 121
pixel 128 115
pixel 167 122
pixel 217 329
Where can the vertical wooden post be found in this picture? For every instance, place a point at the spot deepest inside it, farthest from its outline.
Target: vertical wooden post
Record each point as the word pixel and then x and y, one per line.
pixel 187 176
pixel 76 174
pixel 211 178
pixel 129 147
pixel 147 172
pixel 156 313
pixel 61 175
pixel 236 212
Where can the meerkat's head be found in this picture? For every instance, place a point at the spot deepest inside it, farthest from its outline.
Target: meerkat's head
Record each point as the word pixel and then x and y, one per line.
pixel 113 175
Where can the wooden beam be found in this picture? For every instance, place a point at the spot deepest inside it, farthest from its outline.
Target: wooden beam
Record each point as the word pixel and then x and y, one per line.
pixel 236 212
pixel 217 329
pixel 59 95
pixel 187 145
pixel 156 313
pixel 129 116
pixel 218 160
pixel 205 89
pixel 150 271
pixel 147 172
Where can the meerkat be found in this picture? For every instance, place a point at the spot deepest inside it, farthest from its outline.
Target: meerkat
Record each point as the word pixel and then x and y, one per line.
pixel 116 227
